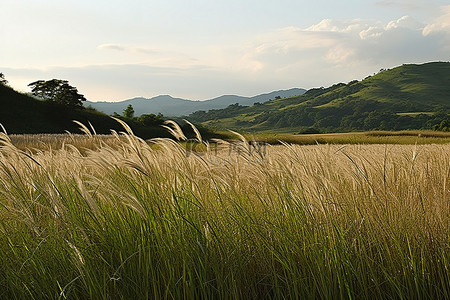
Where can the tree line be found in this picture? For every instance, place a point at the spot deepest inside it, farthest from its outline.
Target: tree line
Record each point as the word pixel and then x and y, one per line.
pixel 144 120
pixel 354 116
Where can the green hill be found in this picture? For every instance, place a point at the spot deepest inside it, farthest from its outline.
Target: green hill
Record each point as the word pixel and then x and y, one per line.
pixel 20 113
pixel 405 97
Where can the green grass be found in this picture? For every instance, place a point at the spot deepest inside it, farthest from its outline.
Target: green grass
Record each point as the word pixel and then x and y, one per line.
pixel 410 137
pixel 137 222
pixel 391 100
pixel 415 114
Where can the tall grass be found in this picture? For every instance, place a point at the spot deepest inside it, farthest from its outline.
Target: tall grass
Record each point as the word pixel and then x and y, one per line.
pixel 137 221
pixel 49 142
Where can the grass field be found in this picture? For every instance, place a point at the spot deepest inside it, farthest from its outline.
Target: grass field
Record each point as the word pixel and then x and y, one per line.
pixel 116 218
pixel 372 137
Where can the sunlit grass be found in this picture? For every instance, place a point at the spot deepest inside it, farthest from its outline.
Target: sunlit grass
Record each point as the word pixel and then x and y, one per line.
pixel 373 137
pixel 125 219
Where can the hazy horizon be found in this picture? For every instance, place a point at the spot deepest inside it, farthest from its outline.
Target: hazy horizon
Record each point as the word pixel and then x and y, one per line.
pixel 198 50
pixel 212 98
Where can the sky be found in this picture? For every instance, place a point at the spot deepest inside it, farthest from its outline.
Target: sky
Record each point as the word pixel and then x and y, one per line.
pixel 114 50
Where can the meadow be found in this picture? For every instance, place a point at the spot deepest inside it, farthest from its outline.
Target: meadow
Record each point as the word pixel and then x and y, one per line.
pixel 117 217
pixel 406 137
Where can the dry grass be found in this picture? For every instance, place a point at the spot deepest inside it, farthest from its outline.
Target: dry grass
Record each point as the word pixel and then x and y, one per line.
pixel 124 219
pixel 35 142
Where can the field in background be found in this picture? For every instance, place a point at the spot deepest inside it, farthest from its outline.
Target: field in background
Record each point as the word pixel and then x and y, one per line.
pixel 82 141
pixel 114 217
pixel 372 137
pixel 50 142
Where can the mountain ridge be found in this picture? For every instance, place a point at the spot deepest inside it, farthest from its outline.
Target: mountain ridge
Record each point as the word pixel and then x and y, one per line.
pixel 411 96
pixel 173 107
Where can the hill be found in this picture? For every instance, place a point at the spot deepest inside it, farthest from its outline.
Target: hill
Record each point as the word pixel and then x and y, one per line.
pixel 406 97
pixel 174 107
pixel 21 113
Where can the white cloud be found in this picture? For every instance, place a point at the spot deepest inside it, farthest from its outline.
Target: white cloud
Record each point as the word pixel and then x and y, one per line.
pixel 325 25
pixel 112 47
pixel 405 22
pixel 352 42
pixel 127 48
pixel 329 25
pixel 441 24
pixel 371 32
pixel 340 54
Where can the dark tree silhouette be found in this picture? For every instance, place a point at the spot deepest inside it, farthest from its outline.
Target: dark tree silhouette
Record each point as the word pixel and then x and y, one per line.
pixel 59 91
pixel 3 81
pixel 128 113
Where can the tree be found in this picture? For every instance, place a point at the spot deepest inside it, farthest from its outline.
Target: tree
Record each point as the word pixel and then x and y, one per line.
pixel 443 126
pixel 151 119
pixel 59 91
pixel 3 81
pixel 129 112
pixel 309 130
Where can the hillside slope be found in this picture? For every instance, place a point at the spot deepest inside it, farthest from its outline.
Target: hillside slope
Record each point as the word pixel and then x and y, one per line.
pixel 405 97
pixel 20 113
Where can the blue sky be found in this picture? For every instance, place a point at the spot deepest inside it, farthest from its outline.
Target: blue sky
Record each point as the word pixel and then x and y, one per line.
pixel 198 49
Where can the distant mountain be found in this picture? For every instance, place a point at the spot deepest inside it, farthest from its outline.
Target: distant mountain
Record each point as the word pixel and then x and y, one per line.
pixel 406 97
pixel 173 107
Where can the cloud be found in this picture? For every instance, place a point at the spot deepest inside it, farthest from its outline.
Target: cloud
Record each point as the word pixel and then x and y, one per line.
pixel 441 24
pixel 126 48
pixel 405 22
pixel 355 42
pixel 322 54
pixel 371 32
pixel 116 47
pixel 330 25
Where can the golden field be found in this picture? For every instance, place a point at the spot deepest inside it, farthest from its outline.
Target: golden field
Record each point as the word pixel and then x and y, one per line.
pixel 118 217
